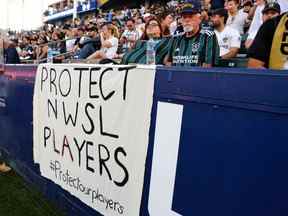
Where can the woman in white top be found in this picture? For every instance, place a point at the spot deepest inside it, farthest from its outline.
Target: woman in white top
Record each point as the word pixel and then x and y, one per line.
pixel 236 18
pixel 109 43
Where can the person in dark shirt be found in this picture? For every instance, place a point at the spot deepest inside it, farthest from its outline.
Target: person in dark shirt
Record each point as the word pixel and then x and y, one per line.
pixel 88 47
pixel 179 29
pixel 197 46
pixel 166 18
pixel 10 54
pixel 259 52
pixel 216 4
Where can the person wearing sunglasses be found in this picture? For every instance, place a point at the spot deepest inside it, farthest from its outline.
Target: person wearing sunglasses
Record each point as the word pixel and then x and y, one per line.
pixel 153 31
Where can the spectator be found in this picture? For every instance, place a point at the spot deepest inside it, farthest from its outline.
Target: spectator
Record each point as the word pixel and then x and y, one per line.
pixel 10 53
pixel 147 17
pixel 236 19
pixel 270 11
pixel 249 8
pixel 28 51
pixel 172 3
pixel 195 47
pixel 179 29
pixel 15 42
pixel 110 16
pixel 129 36
pixel 109 43
pixel 70 40
pixel 247 5
pixel 206 22
pixel 76 22
pixel 228 38
pixel 215 4
pixel 267 50
pixel 166 19
pixel 58 46
pixel 76 35
pixel 142 10
pixel 34 41
pixel 81 29
pixel 89 44
pixel 138 54
pixel 42 49
pixel 140 25
pixel 256 22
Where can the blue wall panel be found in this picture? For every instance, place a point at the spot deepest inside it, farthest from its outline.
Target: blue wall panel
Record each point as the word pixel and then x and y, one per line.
pixel 233 150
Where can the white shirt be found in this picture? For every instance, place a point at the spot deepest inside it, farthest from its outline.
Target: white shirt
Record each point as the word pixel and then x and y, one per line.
pixel 237 22
pixel 130 35
pixel 70 44
pixel 227 39
pixel 283 5
pixel 256 22
pixel 142 10
pixel 111 52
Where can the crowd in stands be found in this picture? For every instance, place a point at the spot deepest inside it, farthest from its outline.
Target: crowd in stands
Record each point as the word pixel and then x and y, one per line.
pixel 191 33
pixel 82 5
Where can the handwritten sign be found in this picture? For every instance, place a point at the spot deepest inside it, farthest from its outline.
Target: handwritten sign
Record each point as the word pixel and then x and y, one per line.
pixel 91 127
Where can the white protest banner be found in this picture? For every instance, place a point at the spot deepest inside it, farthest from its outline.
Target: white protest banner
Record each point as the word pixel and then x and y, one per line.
pixel 91 131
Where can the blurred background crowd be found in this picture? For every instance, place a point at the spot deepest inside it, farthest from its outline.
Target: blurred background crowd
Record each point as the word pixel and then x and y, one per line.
pixel 121 34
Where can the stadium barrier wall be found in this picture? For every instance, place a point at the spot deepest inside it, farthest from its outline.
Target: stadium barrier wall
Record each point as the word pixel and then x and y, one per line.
pixel 231 158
